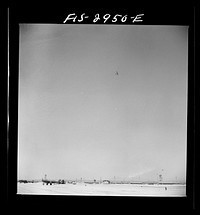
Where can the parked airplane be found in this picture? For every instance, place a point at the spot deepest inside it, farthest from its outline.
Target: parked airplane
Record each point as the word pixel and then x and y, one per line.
pixel 45 180
pixel 26 181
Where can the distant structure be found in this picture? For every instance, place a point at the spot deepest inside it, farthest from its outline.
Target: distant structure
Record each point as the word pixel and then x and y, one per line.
pixel 106 181
pixel 160 178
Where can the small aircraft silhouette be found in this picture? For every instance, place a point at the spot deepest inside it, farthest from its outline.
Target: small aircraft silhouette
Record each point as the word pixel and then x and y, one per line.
pixel 47 181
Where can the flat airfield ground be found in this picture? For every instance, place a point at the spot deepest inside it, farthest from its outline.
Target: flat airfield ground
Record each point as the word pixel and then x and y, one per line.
pixel 103 189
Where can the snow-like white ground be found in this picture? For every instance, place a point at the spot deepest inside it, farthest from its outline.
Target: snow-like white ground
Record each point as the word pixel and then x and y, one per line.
pixel 102 189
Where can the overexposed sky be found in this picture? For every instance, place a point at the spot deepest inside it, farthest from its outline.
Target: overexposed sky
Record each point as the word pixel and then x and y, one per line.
pixel 77 118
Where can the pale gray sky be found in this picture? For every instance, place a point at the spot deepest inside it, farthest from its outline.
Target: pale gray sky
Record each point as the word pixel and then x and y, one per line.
pixel 78 119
